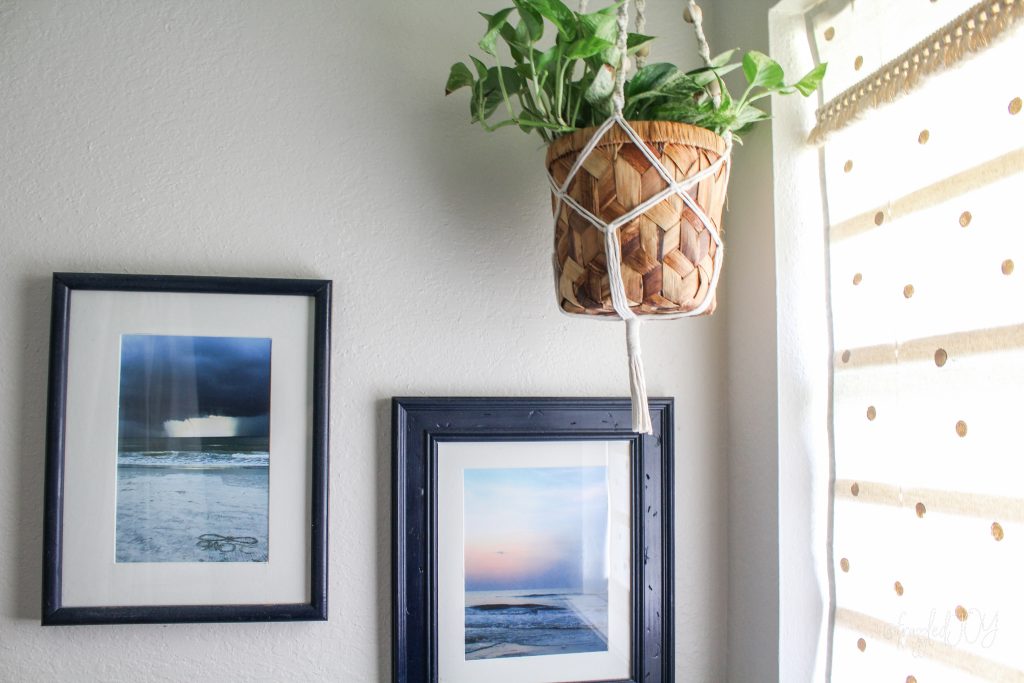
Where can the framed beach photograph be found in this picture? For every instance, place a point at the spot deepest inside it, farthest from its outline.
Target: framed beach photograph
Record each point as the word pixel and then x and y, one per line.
pixel 187 434
pixel 531 541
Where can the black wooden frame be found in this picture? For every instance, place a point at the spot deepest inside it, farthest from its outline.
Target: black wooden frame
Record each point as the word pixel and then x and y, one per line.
pixel 53 612
pixel 419 424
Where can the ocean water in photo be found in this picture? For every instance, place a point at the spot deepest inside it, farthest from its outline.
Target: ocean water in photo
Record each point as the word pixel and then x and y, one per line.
pixel 531 622
pixel 193 500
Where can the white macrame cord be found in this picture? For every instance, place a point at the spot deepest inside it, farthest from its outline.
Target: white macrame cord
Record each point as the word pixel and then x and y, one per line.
pixel 613 251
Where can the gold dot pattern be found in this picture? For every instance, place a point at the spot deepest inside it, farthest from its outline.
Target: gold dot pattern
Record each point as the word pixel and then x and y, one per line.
pixel 941 358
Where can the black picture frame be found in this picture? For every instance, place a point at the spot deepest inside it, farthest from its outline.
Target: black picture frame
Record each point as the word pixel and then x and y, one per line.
pixel 54 612
pixel 420 424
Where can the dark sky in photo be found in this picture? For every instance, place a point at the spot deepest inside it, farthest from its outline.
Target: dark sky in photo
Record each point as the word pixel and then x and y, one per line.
pixel 177 377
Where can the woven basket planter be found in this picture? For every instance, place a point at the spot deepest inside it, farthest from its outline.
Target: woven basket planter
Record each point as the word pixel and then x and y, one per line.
pixel 668 253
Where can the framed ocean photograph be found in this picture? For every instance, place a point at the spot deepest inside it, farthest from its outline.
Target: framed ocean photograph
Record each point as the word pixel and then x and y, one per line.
pixel 187 440
pixel 530 541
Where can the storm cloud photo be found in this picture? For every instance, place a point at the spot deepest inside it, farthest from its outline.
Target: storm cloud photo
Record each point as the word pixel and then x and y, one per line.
pixel 193 457
pixel 177 385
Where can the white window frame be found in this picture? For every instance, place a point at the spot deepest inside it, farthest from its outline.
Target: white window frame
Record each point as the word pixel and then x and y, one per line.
pixel 804 362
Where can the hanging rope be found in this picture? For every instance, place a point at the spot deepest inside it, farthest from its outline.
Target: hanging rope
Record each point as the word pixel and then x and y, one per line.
pixel 613 251
pixel 641 26
pixel 694 15
pixel 622 24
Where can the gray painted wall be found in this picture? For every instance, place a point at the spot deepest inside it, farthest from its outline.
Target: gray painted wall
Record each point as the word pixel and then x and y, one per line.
pixel 310 139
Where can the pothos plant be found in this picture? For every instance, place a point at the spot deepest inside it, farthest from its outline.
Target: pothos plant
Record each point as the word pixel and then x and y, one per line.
pixel 556 87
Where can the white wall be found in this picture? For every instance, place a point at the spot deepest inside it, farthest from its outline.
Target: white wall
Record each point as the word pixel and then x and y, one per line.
pixel 749 283
pixel 310 139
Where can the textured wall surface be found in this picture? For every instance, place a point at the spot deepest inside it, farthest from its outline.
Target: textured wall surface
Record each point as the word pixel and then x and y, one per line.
pixel 753 620
pixel 310 139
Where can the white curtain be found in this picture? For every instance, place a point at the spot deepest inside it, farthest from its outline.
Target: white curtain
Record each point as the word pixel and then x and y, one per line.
pixel 926 241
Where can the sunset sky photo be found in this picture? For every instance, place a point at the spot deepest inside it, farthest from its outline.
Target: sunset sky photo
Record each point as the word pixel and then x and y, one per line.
pixel 536 527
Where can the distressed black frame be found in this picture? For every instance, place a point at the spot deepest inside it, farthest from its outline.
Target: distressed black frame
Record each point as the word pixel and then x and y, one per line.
pixel 53 612
pixel 419 424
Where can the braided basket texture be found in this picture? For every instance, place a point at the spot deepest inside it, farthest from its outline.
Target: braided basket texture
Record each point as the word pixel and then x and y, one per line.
pixel 667 253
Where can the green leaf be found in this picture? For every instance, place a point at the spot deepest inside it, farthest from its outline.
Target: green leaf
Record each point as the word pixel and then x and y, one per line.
pixel 484 102
pixel 459 77
pixel 513 35
pixel 682 85
pixel 708 74
pixel 761 70
pixel 749 115
pixel 549 56
pixel 587 47
pixel 558 14
pixel 722 59
pixel 494 24
pixel 681 111
pixel 810 82
pixel 481 68
pixel 600 24
pixel 532 19
pixel 517 41
pixel 602 86
pixel 635 41
pixel 512 79
pixel 651 77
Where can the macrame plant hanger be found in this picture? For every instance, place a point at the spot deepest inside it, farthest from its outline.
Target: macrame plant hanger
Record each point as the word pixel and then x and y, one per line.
pixel 612 247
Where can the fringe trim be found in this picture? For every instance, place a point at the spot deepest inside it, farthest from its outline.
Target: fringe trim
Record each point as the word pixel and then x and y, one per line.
pixel 969 33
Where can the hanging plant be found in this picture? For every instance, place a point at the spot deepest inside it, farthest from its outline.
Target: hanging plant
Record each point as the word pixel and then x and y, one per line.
pixel 568 85
pixel 638 166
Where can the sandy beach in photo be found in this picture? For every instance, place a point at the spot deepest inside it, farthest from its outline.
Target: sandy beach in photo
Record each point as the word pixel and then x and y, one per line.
pixel 168 513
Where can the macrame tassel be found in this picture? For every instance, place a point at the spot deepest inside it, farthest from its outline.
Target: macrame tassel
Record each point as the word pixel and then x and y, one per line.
pixel 637 382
